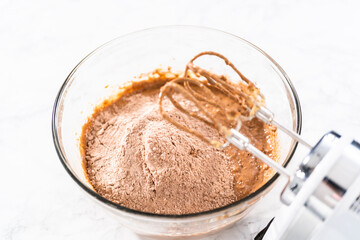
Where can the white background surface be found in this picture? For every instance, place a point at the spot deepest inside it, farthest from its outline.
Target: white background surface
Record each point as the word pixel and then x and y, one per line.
pixel 316 42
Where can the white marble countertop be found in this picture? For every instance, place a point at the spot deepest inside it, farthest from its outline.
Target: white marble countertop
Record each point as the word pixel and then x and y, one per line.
pixel 316 42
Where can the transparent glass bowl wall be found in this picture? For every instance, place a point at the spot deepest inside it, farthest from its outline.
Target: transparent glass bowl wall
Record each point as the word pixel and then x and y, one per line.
pixel 99 75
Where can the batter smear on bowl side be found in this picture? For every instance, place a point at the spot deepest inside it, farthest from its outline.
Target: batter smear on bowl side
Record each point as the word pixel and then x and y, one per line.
pixel 135 158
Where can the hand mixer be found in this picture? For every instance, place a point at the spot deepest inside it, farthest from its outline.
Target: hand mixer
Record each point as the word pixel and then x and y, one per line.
pixel 321 198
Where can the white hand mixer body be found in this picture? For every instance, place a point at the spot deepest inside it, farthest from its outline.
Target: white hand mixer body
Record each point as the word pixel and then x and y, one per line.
pixel 322 198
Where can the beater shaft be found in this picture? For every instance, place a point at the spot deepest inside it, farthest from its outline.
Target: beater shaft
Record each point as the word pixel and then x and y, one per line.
pixel 267 117
pixel 241 142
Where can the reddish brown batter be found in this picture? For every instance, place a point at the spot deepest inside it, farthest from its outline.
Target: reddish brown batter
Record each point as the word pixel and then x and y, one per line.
pixel 135 158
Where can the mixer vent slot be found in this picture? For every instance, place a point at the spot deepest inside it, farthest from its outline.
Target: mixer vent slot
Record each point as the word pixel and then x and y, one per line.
pixel 355 206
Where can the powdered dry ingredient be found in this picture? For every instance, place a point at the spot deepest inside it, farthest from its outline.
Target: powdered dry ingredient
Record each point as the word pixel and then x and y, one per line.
pixel 136 159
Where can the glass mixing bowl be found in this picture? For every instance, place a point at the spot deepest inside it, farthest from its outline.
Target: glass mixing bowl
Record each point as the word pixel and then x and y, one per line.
pixel 100 74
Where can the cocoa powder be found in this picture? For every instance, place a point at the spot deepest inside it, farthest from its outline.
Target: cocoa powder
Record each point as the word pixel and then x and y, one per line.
pixel 136 159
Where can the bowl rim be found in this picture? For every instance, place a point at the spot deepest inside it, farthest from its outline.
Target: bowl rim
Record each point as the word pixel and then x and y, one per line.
pixel 55 135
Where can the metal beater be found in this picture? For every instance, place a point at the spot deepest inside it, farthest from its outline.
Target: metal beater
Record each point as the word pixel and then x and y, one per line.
pixel 319 197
